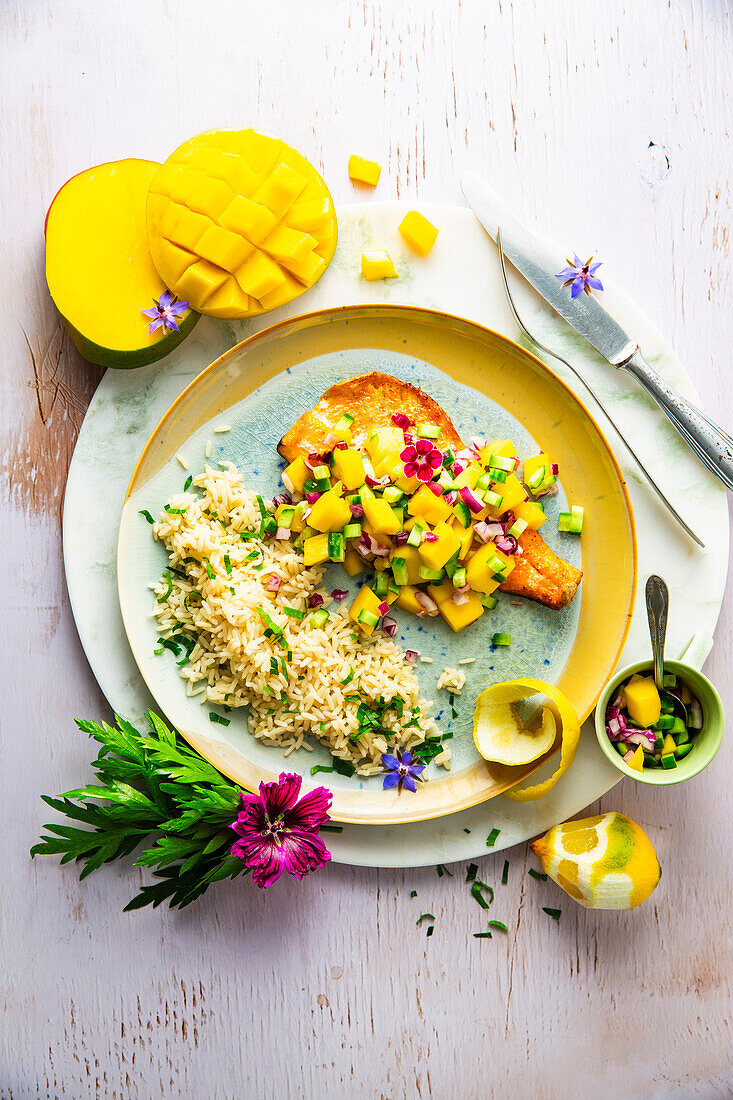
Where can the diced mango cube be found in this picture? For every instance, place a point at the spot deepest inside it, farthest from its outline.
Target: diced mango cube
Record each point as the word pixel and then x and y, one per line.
pixel 364 171
pixel 411 557
pixel 512 493
pixel 315 550
pixel 385 441
pixel 348 466
pixel 353 563
pixel 419 233
pixel 669 744
pixel 306 268
pixel 280 190
pixel 470 476
pixel 200 281
pixel 365 600
pixel 377 264
pixel 380 517
pixel 207 195
pixel 459 616
pixel 465 535
pixel 221 246
pixel 531 513
pixel 285 243
pixel 295 475
pixel 436 554
pixel 406 484
pixel 248 218
pixel 425 505
pixel 643 702
pixel 329 513
pixel 481 569
pixel 637 760
pixel 440 592
pixel 310 214
pixel 258 275
pixel 407 599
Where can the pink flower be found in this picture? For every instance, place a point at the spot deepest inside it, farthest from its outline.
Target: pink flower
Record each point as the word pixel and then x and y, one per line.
pixel 422 459
pixel 279 833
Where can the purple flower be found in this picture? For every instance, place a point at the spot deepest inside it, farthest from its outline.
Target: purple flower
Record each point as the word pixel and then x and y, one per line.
pixel 164 312
pixel 580 276
pixel 279 833
pixel 401 772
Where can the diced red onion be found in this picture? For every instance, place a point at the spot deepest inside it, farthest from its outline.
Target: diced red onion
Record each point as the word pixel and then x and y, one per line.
pixel 341 446
pixel 478 442
pixel 458 467
pixel 427 603
pixel 429 536
pixel 548 492
pixel 312 497
pixel 372 545
pixel 273 582
pixel 613 727
pixel 401 537
pixel 287 482
pixel 383 607
pixel 517 464
pixel 618 702
pixel 377 482
pixel 312 461
pixel 363 549
pixel 315 600
pixel 389 626
pixel 463 588
pixel 554 468
pixel 469 497
pixel 465 454
pixel 487 531
pixel 402 420
pixel 507 544
pixel 435 488
pixel 356 510
pixel 339 594
pixel 628 757
pixel 515 603
pixel 696 715
pixel 283 533
pixel 451 497
pixel 281 498
pixel 507 519
pixel 459 598
pixel 411 656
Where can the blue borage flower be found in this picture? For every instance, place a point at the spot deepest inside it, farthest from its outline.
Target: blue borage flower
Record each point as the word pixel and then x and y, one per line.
pixel 401 772
pixel 580 276
pixel 164 312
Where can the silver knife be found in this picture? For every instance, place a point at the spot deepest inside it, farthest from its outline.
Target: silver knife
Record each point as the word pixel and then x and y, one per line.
pixel 539 266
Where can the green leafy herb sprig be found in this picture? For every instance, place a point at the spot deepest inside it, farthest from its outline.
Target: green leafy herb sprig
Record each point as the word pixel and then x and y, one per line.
pixel 153 788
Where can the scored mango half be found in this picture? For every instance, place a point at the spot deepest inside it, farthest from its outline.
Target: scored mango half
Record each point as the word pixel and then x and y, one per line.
pixel 239 223
pixel 505 695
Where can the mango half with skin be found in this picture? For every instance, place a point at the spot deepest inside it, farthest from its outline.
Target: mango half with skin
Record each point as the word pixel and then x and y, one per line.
pixel 239 223
pixel 99 269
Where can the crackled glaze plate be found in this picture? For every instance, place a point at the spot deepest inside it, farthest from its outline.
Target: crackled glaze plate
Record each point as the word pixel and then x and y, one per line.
pixel 489 386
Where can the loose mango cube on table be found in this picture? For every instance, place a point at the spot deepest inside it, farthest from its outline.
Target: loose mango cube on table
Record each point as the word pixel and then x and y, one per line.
pixel 419 233
pixel 377 264
pixel 364 171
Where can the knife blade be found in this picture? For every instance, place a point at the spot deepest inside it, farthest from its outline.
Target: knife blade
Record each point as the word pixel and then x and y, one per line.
pixel 539 265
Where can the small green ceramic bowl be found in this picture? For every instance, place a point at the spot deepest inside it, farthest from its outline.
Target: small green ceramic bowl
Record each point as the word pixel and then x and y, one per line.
pixel 707 741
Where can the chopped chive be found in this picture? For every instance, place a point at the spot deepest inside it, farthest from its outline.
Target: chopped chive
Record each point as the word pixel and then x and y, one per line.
pixel 320 768
pixel 218 718
pixel 467 832
pixel 424 916
pixel 294 613
pixel 349 678
pixel 554 913
pixel 477 889
pixel 498 924
pixel 169 582
pixel 232 590
pixel 539 875
pixel 228 564
pixel 188 483
pixel 209 570
pixel 332 828
pixel 343 767
pixel 482 935
pixel 471 872
pixel 413 893
pixel 443 870
pixel 505 873
pixel 146 513
pixel 491 838
pixel 244 535
pixel 430 930
pixel 174 511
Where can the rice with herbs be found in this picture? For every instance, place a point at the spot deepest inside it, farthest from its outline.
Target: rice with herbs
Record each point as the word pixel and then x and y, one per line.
pixel 356 695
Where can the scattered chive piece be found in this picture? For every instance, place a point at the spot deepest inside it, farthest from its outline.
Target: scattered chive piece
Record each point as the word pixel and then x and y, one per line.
pixel 554 913
pixel 174 511
pixel 228 564
pixel 146 513
pixel 505 873
pixel 476 892
pixel 471 872
pixel 218 718
pixel 294 613
pixel 169 582
pixel 424 916
pixel 491 838
pixel 482 935
pixel 539 875
pixel 209 570
pixel 498 924
pixel 431 929
pixel 443 870
pixel 467 832
pixel 413 893
pixel 343 767
pixel 332 828
pixel 320 768
pixel 188 483
pixel 349 678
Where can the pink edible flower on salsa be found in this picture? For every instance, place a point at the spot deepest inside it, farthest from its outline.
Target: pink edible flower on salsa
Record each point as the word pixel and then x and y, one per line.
pixel 279 833
pixel 422 459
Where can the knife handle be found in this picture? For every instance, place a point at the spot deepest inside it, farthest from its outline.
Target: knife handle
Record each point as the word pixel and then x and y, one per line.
pixel 710 443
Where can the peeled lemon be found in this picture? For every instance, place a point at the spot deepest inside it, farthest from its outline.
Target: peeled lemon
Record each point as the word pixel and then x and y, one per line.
pixel 603 862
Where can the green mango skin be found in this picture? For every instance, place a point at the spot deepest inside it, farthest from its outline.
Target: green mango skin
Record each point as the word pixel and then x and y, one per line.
pixel 136 357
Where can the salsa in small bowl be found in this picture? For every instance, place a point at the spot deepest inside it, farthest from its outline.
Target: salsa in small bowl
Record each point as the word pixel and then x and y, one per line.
pixel 660 737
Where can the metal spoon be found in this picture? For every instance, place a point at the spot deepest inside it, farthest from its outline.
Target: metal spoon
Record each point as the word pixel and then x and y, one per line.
pixel 657 606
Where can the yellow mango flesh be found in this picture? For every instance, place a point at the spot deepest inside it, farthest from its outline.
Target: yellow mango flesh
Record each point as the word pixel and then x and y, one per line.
pixel 239 223
pixel 426 506
pixel 364 171
pixel 380 517
pixel 329 513
pixel 348 466
pixel 295 475
pixel 407 599
pixel 512 493
pixel 377 264
pixel 642 701
pixel 436 554
pixel 365 600
pixel 419 233
pixel 459 616
pixel 637 760
pixel 353 563
pixel 478 572
pixel 412 560
pixel 99 268
pixel 531 513
pixel 315 550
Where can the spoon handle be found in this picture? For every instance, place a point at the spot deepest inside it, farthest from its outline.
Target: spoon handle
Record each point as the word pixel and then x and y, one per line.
pixel 657 605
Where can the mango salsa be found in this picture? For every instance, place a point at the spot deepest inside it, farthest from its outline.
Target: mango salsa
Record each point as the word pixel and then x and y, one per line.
pixel 348 466
pixel 486 566
pixel 329 513
pixel 425 505
pixel 407 599
pixel 436 554
pixel 315 550
pixel 459 616
pixel 295 475
pixel 365 600
pixel 531 513
pixel 380 517
pixel 512 493
pixel 643 702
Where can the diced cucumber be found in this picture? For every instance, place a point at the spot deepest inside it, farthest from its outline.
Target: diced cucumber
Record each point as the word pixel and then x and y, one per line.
pixel 352 531
pixel 501 462
pixel 568 523
pixel 321 472
pixel 669 680
pixel 659 742
pixel 484 482
pixel 399 513
pixel 415 536
pixel 462 513
pixel 501 639
pixel 346 421
pixel 446 481
pixel 308 533
pixel 381 584
pixel 285 519
pixel 394 587
pixel 664 722
pixel 489 602
pixel 683 738
pixel 682 750
pixel 678 726
pixel 392 494
pixel 365 493
pixel 537 478
pixel 518 528
pixel 319 618
pixel 667 702
pixel 428 431
pixel 268 526
pixel 368 618
pixel 353 498
pixel 459 578
pixel 336 546
pixel 620 747
pixel 668 761
pixel 309 486
pixel 496 565
pixel 399 569
pixel 498 477
pixel 491 498
pixel 427 574
pixel 323 484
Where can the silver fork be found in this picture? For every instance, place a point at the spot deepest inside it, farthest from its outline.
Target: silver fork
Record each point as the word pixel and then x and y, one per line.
pixel 599 403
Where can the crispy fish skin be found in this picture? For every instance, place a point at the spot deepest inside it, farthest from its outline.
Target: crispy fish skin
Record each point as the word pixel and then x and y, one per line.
pixel 539 574
pixel 371 399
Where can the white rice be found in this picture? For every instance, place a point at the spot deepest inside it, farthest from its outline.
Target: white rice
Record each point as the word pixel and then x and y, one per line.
pixel 232 662
pixel 452 679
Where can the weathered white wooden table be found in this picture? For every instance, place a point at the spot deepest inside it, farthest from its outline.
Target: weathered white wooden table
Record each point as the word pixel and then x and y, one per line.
pixel 610 125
